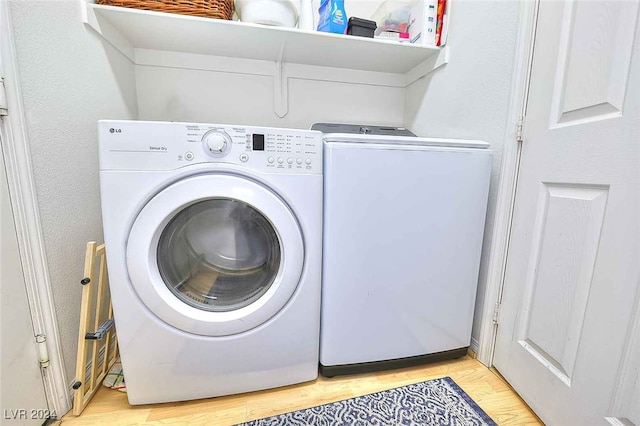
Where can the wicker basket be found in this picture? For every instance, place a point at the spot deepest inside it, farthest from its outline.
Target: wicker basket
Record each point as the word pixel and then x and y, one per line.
pixel 217 9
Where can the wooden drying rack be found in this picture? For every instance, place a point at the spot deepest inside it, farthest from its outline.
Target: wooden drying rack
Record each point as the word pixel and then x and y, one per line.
pixel 95 298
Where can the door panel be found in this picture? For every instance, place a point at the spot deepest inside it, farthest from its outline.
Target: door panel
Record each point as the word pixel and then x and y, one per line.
pixel 572 278
pixel 22 397
pixel 596 45
pixel 568 227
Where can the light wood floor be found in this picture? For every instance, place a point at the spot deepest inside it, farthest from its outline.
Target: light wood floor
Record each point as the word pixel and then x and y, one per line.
pixel 110 407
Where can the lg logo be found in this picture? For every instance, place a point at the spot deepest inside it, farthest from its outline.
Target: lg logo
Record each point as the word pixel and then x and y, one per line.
pixel 112 130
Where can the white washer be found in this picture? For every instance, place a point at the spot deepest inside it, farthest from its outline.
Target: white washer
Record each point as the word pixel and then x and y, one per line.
pixel 214 248
pixel 403 227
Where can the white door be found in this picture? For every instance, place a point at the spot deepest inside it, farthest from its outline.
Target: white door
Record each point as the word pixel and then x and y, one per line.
pixel 22 400
pixel 568 328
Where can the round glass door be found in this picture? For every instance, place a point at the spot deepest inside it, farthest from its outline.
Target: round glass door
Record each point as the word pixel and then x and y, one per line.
pixel 219 255
pixel 215 255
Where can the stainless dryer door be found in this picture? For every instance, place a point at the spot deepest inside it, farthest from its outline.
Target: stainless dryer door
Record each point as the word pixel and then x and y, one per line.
pixel 215 254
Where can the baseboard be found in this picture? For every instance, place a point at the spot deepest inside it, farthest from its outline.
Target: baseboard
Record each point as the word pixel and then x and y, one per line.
pixel 474 347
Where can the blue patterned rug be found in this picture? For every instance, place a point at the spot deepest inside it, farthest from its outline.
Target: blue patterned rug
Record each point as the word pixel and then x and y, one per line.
pixel 436 402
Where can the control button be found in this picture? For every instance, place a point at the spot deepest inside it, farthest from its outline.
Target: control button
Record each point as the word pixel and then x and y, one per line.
pixel 188 156
pixel 271 160
pixel 244 158
pixel 216 143
pixel 299 160
pixel 280 160
pixel 308 161
pixel 289 160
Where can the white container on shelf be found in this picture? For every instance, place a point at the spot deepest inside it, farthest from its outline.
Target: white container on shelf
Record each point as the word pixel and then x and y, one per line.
pixel 280 13
pixel 423 23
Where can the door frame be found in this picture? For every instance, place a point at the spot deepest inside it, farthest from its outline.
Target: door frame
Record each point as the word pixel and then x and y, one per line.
pixel 512 149
pixel 24 205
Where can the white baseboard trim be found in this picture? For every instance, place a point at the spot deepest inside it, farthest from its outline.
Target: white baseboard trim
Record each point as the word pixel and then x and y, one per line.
pixel 474 345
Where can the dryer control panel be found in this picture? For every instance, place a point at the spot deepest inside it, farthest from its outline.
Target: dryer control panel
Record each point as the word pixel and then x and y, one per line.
pixel 139 145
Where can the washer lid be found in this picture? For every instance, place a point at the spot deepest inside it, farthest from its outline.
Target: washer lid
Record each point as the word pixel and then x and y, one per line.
pixel 400 141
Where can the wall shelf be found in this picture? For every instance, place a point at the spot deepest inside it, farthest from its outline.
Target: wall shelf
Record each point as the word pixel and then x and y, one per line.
pixel 178 33
pixel 161 39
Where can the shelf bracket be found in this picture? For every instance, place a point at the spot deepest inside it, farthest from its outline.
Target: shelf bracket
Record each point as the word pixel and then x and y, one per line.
pixel 280 87
pixel 428 66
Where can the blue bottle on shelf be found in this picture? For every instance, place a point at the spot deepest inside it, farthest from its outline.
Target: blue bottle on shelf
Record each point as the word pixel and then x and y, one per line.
pixel 333 18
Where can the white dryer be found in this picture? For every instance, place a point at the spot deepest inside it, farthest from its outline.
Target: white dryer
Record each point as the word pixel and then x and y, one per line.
pixel 214 241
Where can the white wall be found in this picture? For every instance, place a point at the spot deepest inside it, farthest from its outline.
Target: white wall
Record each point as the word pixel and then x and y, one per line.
pixel 69 80
pixel 220 97
pixel 176 94
pixel 469 97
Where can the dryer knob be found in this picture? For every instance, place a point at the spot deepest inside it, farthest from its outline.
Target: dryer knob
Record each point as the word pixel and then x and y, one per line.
pixel 216 143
